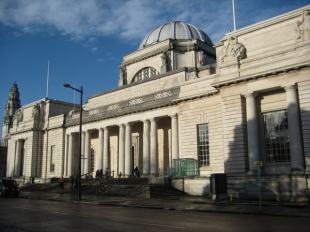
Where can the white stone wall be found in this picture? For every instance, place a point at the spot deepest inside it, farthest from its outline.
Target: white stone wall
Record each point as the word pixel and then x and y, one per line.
pixel 234 134
pixel 37 152
pixel 54 137
pixel 192 186
pixel 192 113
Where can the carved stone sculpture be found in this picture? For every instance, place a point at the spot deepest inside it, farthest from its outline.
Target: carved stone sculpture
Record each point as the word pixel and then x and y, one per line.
pixel 122 76
pixel 232 49
pixel 163 67
pixel 201 58
pixel 302 29
pixel 18 117
pixel 35 111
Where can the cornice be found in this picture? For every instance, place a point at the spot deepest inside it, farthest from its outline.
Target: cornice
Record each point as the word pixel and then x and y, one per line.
pixel 245 78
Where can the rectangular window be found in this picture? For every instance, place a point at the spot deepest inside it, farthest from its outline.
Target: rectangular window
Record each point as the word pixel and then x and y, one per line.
pixel 277 144
pixel 203 144
pixel 52 165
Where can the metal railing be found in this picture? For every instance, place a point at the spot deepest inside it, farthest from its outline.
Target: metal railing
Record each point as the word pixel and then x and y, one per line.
pixel 181 168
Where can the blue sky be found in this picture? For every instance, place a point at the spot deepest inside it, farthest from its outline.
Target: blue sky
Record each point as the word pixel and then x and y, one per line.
pixel 86 40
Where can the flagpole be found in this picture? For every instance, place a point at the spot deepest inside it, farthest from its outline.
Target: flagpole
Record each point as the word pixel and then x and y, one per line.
pixel 234 16
pixel 47 77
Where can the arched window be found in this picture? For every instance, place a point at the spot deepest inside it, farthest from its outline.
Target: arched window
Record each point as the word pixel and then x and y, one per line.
pixel 144 74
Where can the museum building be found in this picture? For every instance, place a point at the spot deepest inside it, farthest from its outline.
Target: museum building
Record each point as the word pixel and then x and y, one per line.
pixel 185 109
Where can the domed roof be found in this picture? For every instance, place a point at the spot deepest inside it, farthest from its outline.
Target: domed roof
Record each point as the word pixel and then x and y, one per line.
pixel 175 30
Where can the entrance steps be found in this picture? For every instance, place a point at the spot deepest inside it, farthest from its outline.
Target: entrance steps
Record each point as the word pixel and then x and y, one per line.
pixel 145 187
pixel 131 187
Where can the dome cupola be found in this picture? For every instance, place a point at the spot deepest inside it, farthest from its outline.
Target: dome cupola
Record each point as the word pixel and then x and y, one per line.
pixel 175 30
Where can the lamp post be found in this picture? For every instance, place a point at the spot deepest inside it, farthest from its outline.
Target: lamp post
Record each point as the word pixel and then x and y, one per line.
pixel 80 137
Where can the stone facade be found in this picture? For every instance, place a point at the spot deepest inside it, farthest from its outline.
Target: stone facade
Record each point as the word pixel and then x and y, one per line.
pixel 232 108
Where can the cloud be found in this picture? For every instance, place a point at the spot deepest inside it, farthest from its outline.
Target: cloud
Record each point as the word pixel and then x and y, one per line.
pixel 94 49
pixel 130 20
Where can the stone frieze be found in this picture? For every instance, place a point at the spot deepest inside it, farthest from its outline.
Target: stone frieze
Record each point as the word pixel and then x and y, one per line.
pixel 141 103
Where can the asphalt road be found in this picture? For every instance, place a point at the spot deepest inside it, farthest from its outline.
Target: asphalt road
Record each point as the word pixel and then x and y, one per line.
pixel 45 216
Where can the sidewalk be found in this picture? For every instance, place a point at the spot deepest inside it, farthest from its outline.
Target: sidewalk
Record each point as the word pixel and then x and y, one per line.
pixel 184 204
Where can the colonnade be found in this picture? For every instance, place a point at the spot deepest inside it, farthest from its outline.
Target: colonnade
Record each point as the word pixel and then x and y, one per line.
pixel 125 166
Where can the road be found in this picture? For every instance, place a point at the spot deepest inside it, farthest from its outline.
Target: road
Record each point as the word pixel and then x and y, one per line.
pixel 20 215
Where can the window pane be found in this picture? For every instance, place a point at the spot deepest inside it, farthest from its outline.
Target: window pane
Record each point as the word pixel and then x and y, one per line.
pixel 153 72
pixel 277 147
pixel 203 145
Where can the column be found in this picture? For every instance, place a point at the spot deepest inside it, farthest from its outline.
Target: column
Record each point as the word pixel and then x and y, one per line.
pixel 69 171
pixel 99 156
pixel 153 149
pixel 17 158
pixel 121 148
pixel 128 144
pixel 174 137
pixel 146 147
pixel 105 149
pixel 64 161
pixel 83 152
pixel 87 152
pixel 252 128
pixel 293 116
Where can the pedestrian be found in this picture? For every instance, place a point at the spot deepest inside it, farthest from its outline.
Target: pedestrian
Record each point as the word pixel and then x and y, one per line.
pixel 107 173
pixel 100 175
pixel 138 173
pixel 97 174
pixel 135 172
pixel 120 175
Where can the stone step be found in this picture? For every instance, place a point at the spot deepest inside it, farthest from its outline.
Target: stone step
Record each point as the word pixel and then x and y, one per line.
pixel 165 191
pixel 117 190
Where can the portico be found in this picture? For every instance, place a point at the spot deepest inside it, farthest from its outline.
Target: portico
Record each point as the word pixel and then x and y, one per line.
pixel 149 144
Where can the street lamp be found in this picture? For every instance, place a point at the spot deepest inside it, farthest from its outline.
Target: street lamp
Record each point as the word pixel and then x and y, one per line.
pixel 80 142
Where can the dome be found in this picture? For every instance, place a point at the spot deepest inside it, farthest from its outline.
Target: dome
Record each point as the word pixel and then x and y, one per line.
pixel 175 30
